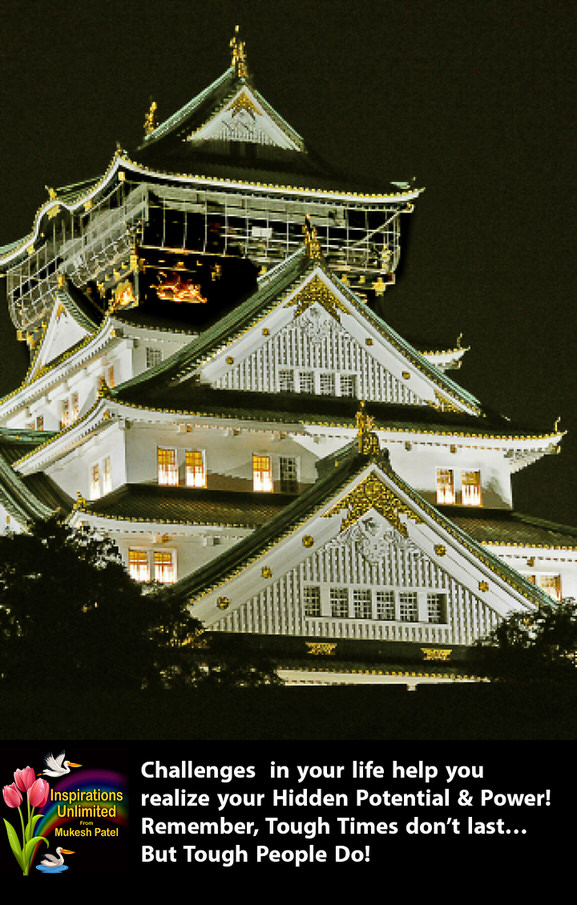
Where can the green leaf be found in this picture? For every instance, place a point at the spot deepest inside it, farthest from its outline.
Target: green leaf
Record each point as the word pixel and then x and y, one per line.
pixel 14 843
pixel 31 845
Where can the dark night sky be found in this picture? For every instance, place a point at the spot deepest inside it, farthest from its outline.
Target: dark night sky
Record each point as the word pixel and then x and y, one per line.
pixel 477 100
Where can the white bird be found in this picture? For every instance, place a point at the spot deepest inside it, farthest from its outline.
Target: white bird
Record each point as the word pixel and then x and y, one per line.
pixel 57 766
pixel 53 861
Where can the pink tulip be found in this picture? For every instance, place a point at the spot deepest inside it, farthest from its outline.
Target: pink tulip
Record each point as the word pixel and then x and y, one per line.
pixel 24 778
pixel 12 796
pixel 38 793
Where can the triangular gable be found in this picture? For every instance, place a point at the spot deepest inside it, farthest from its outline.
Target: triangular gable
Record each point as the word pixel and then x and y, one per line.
pixel 371 533
pixel 247 117
pixel 322 326
pixel 67 326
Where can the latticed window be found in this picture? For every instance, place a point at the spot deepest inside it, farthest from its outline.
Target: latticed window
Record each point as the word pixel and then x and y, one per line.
pixel 164 567
pixel 340 603
pixel 153 357
pixel 445 485
pixel 471 488
pixel 262 474
pixel 95 481
pixel 312 600
pixel 64 413
pixel 362 603
pixel 551 584
pixel 327 384
pixel 408 607
pixel 306 382
pixel 195 468
pixel 106 475
pixel 385 605
pixel 288 474
pixel 167 466
pixel 74 407
pixel 436 607
pixel 348 385
pixel 286 382
pixel 138 565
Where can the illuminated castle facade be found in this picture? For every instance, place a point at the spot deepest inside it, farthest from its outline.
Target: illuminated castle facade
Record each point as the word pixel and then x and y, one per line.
pixel 211 385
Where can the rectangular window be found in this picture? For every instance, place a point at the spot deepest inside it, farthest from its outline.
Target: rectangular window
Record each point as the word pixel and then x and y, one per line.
pixel 106 475
pixel 74 406
pixel 327 384
pixel 436 608
pixel 288 475
pixel 164 567
pixel 340 603
pixel 286 383
pixel 138 565
pixel 167 467
pixel 471 488
pixel 362 604
pixel 95 482
pixel 385 605
pixel 348 385
pixel 551 584
pixel 306 382
pixel 64 413
pixel 445 485
pixel 40 423
pixel 262 474
pixel 195 468
pixel 408 610
pixel 312 600
pixel 153 357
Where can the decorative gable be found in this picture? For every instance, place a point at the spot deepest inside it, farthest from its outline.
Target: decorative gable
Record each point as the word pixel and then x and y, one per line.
pixel 244 118
pixel 320 338
pixel 63 332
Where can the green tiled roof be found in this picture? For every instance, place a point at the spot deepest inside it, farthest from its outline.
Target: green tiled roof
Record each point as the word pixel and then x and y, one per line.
pixel 30 498
pixel 513 528
pixel 185 505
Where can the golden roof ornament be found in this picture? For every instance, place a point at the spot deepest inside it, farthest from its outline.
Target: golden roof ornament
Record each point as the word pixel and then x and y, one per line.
pixel 312 243
pixel 149 119
pixel 367 438
pixel 238 49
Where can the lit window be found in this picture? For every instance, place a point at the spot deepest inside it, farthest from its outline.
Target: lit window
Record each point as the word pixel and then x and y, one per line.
pixel 167 467
pixel 436 607
pixel 312 601
pixel 385 605
pixel 195 468
pixel 327 384
pixel 288 474
pixel 40 423
pixel 348 384
pixel 64 413
pixel 138 565
pixel 95 481
pixel 74 406
pixel 106 475
pixel 362 603
pixel 340 603
pixel 551 584
pixel 445 486
pixel 471 488
pixel 286 383
pixel 306 382
pixel 262 474
pixel 164 569
pixel 408 611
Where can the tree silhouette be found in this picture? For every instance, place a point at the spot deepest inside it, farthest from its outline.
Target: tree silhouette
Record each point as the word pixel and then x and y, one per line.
pixel 536 646
pixel 71 617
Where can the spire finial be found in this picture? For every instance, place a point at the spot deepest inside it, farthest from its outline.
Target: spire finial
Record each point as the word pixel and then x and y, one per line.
pixel 238 48
pixel 312 243
pixel 367 438
pixel 149 123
